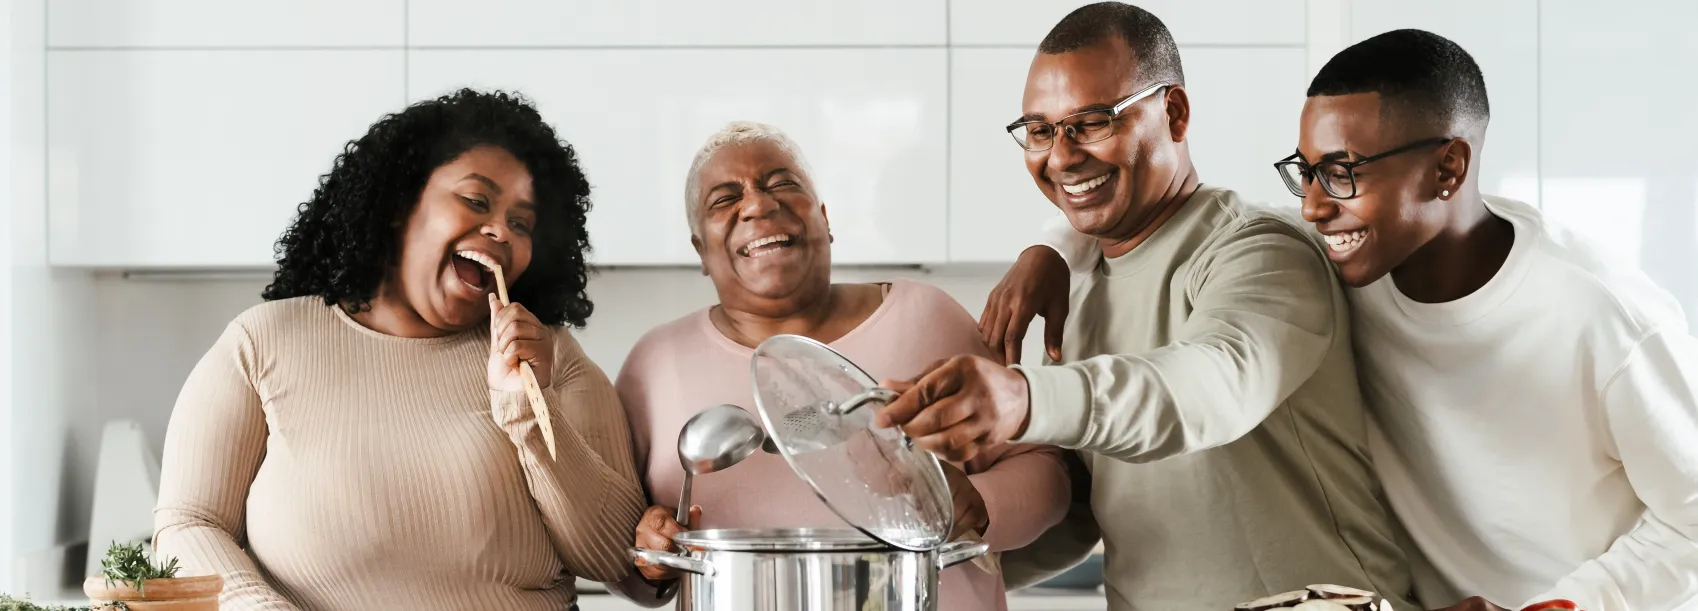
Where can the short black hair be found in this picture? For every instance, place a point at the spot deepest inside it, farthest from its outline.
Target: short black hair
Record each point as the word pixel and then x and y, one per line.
pixel 347 238
pixel 1152 45
pixel 1419 75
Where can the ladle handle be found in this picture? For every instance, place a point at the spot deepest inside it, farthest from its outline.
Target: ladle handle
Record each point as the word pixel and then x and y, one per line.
pixel 683 519
pixel 684 500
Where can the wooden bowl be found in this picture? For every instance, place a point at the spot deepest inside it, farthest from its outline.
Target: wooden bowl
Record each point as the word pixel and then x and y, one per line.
pixel 176 594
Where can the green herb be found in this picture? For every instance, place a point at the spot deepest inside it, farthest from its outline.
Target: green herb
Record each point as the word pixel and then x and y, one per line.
pixel 129 563
pixel 8 603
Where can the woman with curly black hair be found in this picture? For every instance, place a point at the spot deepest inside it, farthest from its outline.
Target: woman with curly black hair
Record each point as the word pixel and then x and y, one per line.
pixel 363 440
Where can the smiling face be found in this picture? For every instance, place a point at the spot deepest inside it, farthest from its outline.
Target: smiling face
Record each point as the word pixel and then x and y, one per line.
pixel 763 235
pixel 1394 213
pixel 474 212
pixel 1113 187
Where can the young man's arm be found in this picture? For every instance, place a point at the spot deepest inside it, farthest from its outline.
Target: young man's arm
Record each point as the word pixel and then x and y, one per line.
pixel 1037 285
pixel 1651 410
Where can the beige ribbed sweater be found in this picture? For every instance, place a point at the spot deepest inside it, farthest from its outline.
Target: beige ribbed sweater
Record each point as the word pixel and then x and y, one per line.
pixel 317 464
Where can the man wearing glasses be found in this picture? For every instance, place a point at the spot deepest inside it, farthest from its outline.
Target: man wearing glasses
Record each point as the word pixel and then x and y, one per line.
pixel 1209 384
pixel 1539 402
pixel 1536 403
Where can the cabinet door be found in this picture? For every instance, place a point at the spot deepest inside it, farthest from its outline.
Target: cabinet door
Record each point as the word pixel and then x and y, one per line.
pixel 221 23
pixel 1024 23
pixel 1503 38
pixel 1617 127
pixel 870 121
pixel 1244 104
pixel 198 158
pixel 675 23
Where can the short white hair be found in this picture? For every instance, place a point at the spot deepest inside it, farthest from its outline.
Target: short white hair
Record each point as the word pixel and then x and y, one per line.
pixel 734 133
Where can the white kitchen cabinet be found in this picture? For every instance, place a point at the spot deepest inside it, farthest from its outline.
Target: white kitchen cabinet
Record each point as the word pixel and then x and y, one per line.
pixel 1244 105
pixel 198 158
pixel 1023 23
pixel 1616 127
pixel 1503 38
pixel 225 24
pixel 870 121
pixel 995 208
pixel 1245 108
pixel 673 23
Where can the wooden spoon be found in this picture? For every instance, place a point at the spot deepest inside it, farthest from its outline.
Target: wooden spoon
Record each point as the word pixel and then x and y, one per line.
pixel 533 390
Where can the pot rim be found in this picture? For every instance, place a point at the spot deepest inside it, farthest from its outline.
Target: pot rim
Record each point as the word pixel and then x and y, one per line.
pixel 782 540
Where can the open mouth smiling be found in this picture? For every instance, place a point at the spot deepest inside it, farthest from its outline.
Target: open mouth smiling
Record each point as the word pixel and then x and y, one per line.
pixel 766 246
pixel 475 269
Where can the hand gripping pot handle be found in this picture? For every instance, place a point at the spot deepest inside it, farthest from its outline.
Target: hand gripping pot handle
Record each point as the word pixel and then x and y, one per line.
pixel 672 561
pixel 958 552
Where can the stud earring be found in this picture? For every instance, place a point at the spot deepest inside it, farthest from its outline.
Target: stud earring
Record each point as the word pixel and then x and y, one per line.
pixel 1445 193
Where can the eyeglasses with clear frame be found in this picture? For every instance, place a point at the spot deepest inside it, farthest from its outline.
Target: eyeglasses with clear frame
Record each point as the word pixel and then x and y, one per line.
pixel 1083 127
pixel 1337 178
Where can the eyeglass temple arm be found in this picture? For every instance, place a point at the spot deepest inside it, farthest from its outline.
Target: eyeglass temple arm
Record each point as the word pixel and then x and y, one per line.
pixel 1133 99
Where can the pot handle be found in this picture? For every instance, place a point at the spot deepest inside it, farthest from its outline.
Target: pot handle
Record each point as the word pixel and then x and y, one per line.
pixel 672 561
pixel 871 395
pixel 958 552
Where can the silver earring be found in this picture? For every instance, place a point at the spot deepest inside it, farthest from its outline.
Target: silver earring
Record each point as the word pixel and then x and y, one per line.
pixel 1444 193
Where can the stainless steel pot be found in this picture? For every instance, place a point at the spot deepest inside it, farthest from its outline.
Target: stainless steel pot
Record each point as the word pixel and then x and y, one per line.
pixel 805 569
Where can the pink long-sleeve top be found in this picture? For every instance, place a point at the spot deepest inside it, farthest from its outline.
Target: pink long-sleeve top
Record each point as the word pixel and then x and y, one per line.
pixel 686 365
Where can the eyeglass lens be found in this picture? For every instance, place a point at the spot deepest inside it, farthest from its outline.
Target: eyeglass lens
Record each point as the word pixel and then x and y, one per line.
pixel 1083 128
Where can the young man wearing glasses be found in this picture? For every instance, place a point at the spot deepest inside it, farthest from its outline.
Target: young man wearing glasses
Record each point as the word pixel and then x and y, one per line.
pixel 1536 404
pixel 1209 384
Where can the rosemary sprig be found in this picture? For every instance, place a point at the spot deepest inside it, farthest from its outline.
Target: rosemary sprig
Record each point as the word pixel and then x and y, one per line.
pixel 129 563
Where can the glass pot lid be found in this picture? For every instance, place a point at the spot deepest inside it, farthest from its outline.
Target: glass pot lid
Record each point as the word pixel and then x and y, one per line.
pixel 818 408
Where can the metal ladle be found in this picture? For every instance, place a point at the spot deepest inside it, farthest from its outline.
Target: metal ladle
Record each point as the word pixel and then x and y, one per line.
pixel 712 440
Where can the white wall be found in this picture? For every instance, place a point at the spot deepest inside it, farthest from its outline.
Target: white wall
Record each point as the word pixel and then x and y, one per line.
pixel 51 343
pixel 8 495
pixel 1618 162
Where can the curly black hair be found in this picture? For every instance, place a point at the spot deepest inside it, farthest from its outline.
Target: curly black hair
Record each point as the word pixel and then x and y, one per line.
pixel 346 239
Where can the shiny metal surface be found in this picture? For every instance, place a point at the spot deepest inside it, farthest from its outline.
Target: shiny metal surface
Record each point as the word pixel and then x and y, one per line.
pixel 714 439
pixel 779 540
pixel 673 561
pixel 876 577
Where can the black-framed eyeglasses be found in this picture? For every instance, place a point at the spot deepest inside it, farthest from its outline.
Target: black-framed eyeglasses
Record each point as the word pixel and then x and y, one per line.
pixel 1338 178
pixel 1083 127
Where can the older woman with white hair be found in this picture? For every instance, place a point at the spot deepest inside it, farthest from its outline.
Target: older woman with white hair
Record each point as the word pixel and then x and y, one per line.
pixel 761 231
